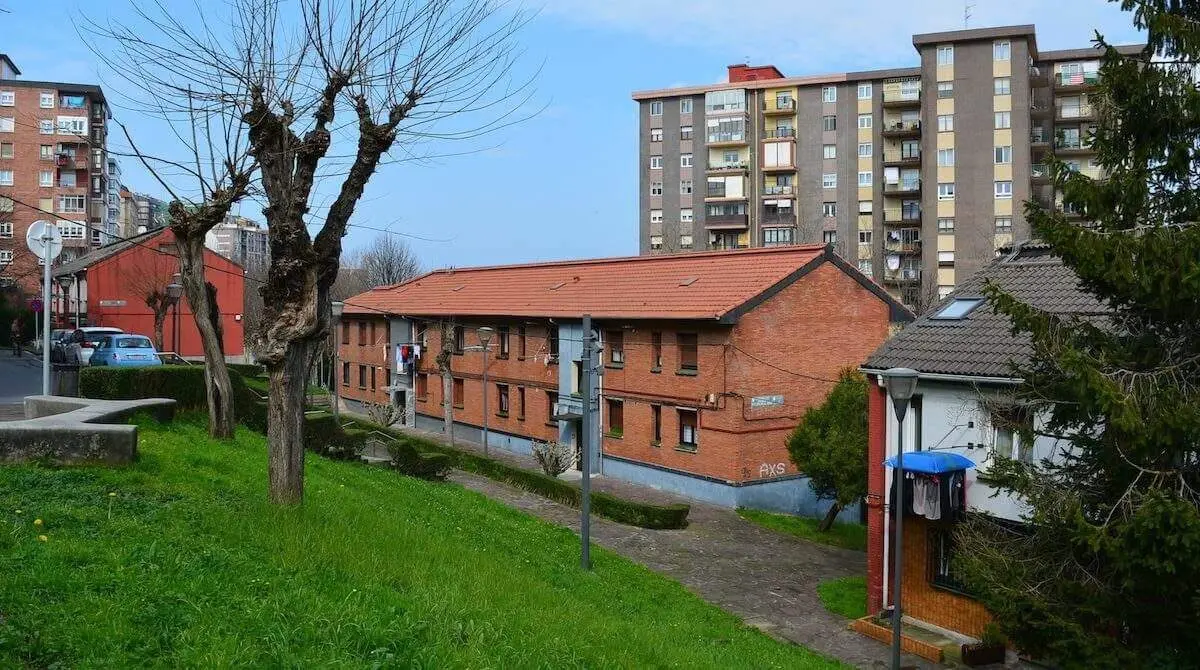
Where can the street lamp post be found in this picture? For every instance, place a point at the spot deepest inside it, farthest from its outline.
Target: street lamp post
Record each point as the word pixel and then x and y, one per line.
pixel 174 293
pixel 64 283
pixel 901 383
pixel 485 336
pixel 335 309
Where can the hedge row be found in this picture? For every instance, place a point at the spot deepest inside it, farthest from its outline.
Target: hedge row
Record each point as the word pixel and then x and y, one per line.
pixel 634 513
pixel 183 383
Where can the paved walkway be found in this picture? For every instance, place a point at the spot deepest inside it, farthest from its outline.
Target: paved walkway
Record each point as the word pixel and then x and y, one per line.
pixel 769 579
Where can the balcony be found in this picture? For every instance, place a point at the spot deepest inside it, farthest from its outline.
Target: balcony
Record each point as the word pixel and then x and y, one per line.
pixel 775 190
pixel 910 128
pixel 909 246
pixel 1072 146
pixel 902 276
pixel 726 221
pixel 903 187
pixel 902 158
pixel 1040 105
pixel 778 219
pixel 780 134
pixel 67 161
pixel 1039 138
pixel 720 193
pixel 902 215
pixel 779 168
pixel 1071 112
pixel 727 139
pixel 1076 80
pixel 1039 172
pixel 779 106
pixel 1038 77
pixel 727 168
pixel 901 98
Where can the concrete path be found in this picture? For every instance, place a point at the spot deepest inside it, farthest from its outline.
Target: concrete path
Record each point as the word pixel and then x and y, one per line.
pixel 768 579
pixel 19 376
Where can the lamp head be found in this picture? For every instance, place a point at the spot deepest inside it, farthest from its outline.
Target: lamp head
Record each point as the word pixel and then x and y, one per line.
pixel 485 335
pixel 65 281
pixel 174 291
pixel 901 384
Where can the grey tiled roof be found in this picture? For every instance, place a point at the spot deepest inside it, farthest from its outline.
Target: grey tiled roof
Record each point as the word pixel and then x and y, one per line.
pixel 981 345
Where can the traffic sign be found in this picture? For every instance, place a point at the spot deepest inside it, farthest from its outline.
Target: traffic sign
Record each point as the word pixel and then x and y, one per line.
pixel 36 304
pixel 44 240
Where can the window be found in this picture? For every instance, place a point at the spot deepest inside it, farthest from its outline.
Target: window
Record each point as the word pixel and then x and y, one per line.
pixel 656 242
pixel 1003 155
pixel 501 399
pixel 656 134
pixel 1003 120
pixel 656 424
pixel 686 215
pixel 345 332
pixel 946 191
pixel 865 207
pixel 829 209
pixel 829 93
pixel 372 379
pixel 864 120
pixel 656 188
pixel 502 339
pixel 71 230
pixel 958 308
pixel 1001 86
pixel 655 351
pixel 362 376
pixel 72 125
pixel 1007 426
pixel 67 179
pixel 1004 189
pixel 345 374
pixel 829 180
pixel 46 178
pixel 6 256
pixel 941 559
pixel 685 241
pixel 6 150
pixel 6 177
pixel 829 122
pixel 459 393
pixel 864 91
pixel 945 54
pixel 685 106
pixel 685 132
pixel 945 225
pixel 46 152
pixel 521 342
pixel 945 157
pixel 656 162
pixel 729 100
pixel 460 340
pixel 778 237
pixel 688 354
pixel 656 107
pixel 372 339
pixel 829 237
pixel 945 258
pixel 520 403
pixel 45 126
pixel 8 98
pixel 552 342
pixel 422 386
pixel 1001 50
pixel 1004 224
pixel 70 204
pixel 6 229
pixel 945 123
pixel 685 160
pixel 687 428
pixel 616 418
pixel 685 187
pixel 7 124
pixel 946 89
pixel 551 402
pixel 865 178
pixel 616 347
pixel 864 237
pixel 829 151
pixel 46 100
pixel 656 216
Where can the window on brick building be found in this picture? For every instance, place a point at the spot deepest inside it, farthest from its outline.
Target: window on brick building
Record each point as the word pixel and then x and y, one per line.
pixel 372 378
pixel 941 559
pixel 521 342
pixel 655 352
pixel 656 423
pixel 362 376
pixel 345 374
pixel 688 354
pixel 616 418
pixel 502 339
pixel 552 343
pixel 459 393
pixel 422 333
pixel 362 333
pixel 616 347
pixel 372 339
pixel 422 384
pixel 345 332
pixel 460 340
pixel 551 401
pixel 501 399
pixel 687 428
pixel 520 403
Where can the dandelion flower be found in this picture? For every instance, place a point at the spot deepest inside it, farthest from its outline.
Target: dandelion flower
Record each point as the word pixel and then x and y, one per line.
pixel 43 538
pixel 37 522
pixel 112 494
pixel 18 511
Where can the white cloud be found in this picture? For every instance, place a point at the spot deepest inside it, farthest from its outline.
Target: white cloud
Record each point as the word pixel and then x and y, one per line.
pixel 809 37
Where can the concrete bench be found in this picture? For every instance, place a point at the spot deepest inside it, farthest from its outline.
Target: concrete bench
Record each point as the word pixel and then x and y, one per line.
pixel 74 431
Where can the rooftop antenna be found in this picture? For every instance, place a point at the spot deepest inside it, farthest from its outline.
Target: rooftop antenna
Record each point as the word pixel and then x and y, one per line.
pixel 967 7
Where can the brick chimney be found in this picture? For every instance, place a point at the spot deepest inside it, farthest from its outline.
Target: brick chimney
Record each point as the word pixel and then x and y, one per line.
pixel 743 72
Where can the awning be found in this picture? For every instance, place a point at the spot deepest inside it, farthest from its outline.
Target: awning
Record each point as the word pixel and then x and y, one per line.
pixel 932 462
pixel 568 415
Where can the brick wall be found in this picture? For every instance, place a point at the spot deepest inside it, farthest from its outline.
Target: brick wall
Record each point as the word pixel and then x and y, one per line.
pixel 921 600
pixel 367 355
pixel 877 408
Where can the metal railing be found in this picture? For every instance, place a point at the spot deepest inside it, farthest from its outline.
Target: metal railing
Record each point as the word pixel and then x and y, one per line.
pixel 1039 171
pixel 778 219
pixel 780 133
pixel 901 95
pixel 740 165
pixel 779 105
pixel 891 214
pixel 903 246
pixel 901 156
pixel 902 186
pixel 778 190
pixel 716 138
pixel 902 275
pixel 725 219
pixel 1079 111
pixel 1038 136
pixel 901 126
pixel 1077 143
pixel 1077 79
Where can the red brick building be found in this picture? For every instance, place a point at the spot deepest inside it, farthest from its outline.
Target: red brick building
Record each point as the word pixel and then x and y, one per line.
pixel 709 359
pixel 364 371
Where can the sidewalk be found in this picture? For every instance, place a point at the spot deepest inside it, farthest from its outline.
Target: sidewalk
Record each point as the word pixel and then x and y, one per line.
pixel 768 579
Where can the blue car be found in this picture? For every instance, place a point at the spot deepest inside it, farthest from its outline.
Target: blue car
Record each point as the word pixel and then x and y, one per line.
pixel 126 351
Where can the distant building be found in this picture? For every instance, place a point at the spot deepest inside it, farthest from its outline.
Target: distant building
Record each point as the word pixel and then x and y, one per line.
pixel 241 240
pixel 127 213
pixel 149 213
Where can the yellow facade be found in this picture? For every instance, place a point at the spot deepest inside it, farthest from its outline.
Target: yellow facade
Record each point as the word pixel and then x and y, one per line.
pixel 945 140
pixel 1002 68
pixel 945 106
pixel 1004 172
pixel 945 209
pixel 945 277
pixel 945 174
pixel 945 242
pixel 1004 207
pixel 1002 103
pixel 945 72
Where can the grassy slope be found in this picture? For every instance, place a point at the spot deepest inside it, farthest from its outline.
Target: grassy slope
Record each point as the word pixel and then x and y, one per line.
pixel 188 566
pixel 846 596
pixel 845 535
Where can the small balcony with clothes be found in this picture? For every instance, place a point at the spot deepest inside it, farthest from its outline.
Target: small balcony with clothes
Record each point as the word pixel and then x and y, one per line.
pixel 906 186
pixel 897 97
pixel 728 167
pixel 905 241
pixel 1039 138
pixel 778 190
pixel 899 128
pixel 902 156
pixel 779 106
pixel 908 214
pixel 1075 79
pixel 1041 104
pixel 1039 173
pixel 902 276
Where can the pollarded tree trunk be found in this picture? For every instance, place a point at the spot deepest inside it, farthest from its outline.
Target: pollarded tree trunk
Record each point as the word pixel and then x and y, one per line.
pixel 160 317
pixel 285 422
pixel 202 299
pixel 443 364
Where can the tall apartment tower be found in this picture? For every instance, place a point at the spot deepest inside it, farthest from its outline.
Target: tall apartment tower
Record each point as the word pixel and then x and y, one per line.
pixel 917 173
pixel 53 167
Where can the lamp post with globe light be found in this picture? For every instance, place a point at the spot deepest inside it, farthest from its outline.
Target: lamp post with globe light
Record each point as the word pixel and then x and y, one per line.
pixel 174 293
pixel 335 309
pixel 65 282
pixel 901 383
pixel 485 336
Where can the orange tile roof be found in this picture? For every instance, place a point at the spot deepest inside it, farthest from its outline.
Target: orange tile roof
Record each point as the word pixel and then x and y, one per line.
pixel 699 286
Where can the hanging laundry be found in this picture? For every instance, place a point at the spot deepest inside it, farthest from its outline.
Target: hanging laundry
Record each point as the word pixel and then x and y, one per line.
pixel 933 499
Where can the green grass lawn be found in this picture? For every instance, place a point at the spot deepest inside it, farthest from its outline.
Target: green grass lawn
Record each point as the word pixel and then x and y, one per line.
pixel 846 596
pixel 845 535
pixel 178 561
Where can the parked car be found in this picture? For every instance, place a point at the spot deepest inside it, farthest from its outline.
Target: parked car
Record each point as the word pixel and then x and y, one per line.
pixel 91 337
pixel 125 350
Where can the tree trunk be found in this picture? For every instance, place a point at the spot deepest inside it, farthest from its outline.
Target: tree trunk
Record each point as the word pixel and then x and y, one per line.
pixel 285 423
pixel 160 316
pixel 443 363
pixel 219 389
pixel 830 516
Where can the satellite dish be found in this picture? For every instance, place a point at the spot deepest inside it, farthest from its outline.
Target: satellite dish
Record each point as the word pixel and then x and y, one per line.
pixel 44 240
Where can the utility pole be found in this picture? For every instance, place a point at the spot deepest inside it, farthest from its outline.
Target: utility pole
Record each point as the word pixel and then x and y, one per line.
pixel 585 436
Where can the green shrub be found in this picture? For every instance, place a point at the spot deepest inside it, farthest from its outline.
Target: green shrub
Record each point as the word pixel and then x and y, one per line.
pixel 407 460
pixel 247 369
pixel 182 383
pixel 323 435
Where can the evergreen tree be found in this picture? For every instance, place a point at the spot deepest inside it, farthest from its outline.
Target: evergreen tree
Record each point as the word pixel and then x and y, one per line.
pixel 830 445
pixel 1106 574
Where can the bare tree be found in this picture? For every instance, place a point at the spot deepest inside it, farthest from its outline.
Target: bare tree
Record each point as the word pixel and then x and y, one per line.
pixel 444 357
pixel 148 280
pixel 385 261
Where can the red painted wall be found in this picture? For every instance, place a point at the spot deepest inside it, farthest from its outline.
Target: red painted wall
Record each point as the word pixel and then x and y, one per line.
pixel 119 277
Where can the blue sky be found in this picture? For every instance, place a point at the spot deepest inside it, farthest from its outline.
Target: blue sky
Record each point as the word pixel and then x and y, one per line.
pixel 563 184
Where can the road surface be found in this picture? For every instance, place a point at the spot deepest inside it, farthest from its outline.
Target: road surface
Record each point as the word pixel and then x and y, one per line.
pixel 19 376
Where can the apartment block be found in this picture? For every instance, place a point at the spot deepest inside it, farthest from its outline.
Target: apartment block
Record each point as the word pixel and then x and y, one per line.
pixel 703 374
pixel 915 174
pixel 243 241
pixel 54 166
